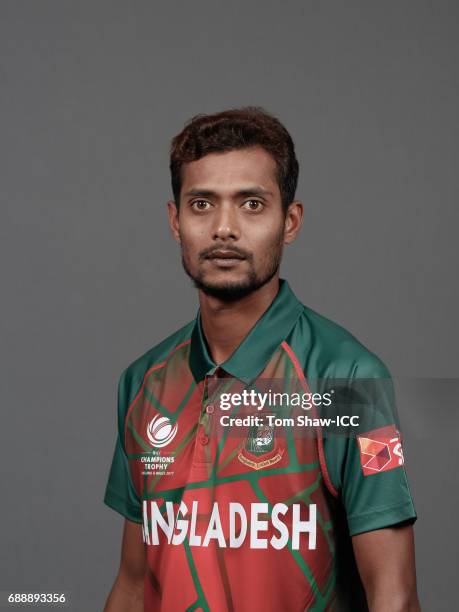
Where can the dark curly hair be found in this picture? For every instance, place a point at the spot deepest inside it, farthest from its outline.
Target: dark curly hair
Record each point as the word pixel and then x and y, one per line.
pixel 236 128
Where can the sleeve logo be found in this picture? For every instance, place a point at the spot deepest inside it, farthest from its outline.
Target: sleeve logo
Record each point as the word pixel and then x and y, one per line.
pixel 380 450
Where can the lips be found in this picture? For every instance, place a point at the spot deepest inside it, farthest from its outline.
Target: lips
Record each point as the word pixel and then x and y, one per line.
pixel 225 255
pixel 225 259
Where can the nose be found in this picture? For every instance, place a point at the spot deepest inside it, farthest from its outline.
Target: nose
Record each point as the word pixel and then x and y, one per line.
pixel 226 226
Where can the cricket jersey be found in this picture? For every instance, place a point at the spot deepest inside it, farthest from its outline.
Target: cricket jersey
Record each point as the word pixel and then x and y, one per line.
pixel 250 477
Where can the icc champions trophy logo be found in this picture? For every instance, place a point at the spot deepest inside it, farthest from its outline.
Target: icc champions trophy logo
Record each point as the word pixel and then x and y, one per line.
pixel 161 431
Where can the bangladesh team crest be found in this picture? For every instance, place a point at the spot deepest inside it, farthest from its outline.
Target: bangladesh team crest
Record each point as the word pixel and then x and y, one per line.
pixel 260 449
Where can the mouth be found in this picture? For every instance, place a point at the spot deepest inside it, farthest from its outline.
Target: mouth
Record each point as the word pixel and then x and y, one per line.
pixel 225 255
pixel 224 258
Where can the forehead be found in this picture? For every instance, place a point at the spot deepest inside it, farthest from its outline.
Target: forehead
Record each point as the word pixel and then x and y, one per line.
pixel 232 170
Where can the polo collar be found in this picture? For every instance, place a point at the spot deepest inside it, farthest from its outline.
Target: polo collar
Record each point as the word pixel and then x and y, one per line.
pixel 252 355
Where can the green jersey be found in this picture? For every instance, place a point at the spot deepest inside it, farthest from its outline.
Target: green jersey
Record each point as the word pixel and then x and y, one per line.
pixel 249 478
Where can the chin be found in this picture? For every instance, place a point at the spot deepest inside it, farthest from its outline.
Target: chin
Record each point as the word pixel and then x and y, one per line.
pixel 229 288
pixel 226 293
pixel 224 279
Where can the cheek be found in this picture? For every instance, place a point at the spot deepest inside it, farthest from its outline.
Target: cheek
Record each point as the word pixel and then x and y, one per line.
pixel 192 242
pixel 264 238
pixel 190 237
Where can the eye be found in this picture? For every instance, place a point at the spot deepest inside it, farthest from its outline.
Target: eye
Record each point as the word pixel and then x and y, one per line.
pixel 254 205
pixel 200 205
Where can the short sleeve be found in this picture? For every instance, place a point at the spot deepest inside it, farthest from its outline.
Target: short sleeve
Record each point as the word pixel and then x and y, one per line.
pixel 120 493
pixel 366 465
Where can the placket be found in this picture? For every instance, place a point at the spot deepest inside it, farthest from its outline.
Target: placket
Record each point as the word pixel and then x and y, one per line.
pixel 205 443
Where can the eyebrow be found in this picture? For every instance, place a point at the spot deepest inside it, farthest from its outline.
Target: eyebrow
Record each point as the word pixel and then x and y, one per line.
pixel 241 193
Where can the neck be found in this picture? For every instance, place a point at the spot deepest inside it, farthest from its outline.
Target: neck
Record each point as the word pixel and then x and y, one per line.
pixel 226 324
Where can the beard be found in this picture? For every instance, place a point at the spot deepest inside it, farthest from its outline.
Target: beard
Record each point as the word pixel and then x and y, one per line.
pixel 232 291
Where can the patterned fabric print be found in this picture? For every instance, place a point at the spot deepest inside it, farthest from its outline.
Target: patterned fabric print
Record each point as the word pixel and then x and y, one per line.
pixel 205 467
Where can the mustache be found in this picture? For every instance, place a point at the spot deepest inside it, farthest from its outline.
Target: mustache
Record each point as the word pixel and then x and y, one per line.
pixel 238 252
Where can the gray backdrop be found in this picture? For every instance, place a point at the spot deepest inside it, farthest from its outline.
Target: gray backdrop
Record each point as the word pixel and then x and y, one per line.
pixel 91 94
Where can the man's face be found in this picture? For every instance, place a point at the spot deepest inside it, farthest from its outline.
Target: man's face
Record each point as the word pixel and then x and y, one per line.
pixel 231 225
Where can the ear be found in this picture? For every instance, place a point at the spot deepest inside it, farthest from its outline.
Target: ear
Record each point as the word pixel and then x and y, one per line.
pixel 173 213
pixel 293 221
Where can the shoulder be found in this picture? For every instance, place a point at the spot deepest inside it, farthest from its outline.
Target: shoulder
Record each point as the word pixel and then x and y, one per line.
pixel 334 351
pixel 132 376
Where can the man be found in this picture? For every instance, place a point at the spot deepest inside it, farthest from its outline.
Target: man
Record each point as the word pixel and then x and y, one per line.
pixel 224 511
